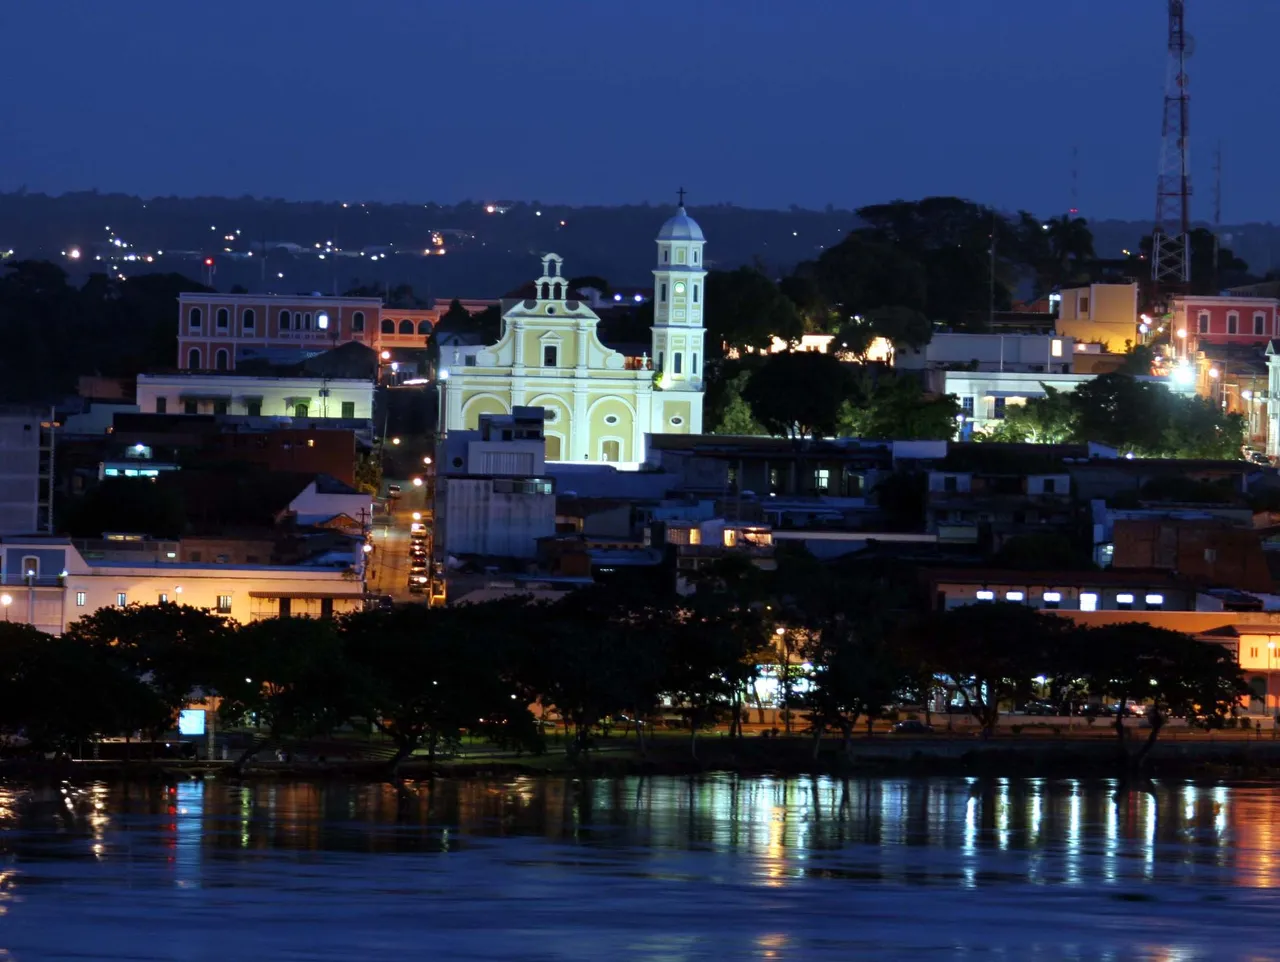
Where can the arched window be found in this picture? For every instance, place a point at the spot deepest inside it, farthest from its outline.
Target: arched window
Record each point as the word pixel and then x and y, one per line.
pixel 300 410
pixel 250 320
pixel 194 318
pixel 544 292
pixel 357 321
pixel 284 320
pixel 388 326
pixel 220 359
pixel 31 567
pixel 193 359
pixel 424 327
pixel 406 326
pixel 223 318
pixel 306 321
pixel 610 450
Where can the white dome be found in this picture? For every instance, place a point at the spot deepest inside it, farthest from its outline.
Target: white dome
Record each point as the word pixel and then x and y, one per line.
pixel 681 227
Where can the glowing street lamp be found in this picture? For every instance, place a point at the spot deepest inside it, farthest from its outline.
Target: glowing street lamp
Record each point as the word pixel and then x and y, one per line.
pixel 427 459
pixel 417 482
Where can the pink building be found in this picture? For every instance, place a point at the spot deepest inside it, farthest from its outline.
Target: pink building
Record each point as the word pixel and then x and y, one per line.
pixel 216 331
pixel 1226 320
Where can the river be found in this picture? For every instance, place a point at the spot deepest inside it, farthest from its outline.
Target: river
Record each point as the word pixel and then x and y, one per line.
pixel 653 869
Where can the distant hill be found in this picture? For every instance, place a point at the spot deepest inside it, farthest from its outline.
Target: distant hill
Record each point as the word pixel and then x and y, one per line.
pixel 486 252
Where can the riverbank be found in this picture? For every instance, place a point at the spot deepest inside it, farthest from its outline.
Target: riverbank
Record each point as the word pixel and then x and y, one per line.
pixel 1204 756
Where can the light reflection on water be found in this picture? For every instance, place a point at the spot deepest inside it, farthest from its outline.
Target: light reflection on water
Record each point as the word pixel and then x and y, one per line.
pixel 641 868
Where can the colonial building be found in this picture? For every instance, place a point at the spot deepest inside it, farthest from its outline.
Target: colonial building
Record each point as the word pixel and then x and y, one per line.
pixel 1225 320
pixel 304 398
pixel 599 403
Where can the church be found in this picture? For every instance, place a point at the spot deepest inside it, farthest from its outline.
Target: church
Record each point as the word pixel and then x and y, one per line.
pixel 599 403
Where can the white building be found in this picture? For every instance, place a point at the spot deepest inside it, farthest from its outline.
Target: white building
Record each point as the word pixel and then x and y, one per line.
pixel 26 458
pixel 599 404
pixel 984 396
pixel 256 396
pixel 46 582
pixel 492 494
pixel 1027 353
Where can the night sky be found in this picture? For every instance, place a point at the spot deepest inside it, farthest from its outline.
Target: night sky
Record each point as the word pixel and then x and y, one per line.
pixel 755 102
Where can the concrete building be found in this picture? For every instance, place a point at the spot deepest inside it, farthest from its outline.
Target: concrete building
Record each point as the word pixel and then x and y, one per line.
pixel 599 403
pixel 350 399
pixel 1026 353
pixel 48 583
pixel 1225 320
pixel 26 466
pixel 492 496
pixel 1100 313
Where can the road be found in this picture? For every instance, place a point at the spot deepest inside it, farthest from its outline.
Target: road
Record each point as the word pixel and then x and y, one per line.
pixel 389 561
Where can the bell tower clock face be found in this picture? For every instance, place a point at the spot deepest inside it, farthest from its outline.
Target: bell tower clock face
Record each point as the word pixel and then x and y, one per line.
pixel 679 287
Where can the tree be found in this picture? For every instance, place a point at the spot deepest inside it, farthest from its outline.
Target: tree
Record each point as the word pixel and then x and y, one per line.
pixel 856 672
pixel 1124 413
pixel 745 309
pixel 989 652
pixel 1132 662
pixel 422 676
pixel 736 417
pixel 894 407
pixel 861 274
pixel 797 394
pixel 288 676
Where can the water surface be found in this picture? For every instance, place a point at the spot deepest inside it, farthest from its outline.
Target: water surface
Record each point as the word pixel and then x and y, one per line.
pixel 652 869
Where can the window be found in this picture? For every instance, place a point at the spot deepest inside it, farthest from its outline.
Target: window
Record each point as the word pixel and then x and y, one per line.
pixel 424 327
pixel 611 419
pixel 693 363
pixel 306 320
pixel 348 409
pixel 223 319
pixel 1014 596
pixel 695 257
pixel 949 483
pixel 253 407
pixel 1233 323
pixel 611 451
pixel 406 327
pixel 1124 601
pixel 666 256
pixel 388 326
pixel 1082 305
pixel 193 318
pixel 190 407
pixel 1202 322
pixel 357 321
pixel 300 410
pixel 659 365
pixel 676 359
pixel 224 604
pixel 677 421
pixel 550 354
pixel 31 567
pixel 164 598
pixel 1052 599
pixel 193 359
pixel 1055 347
pixel 1154 600
pixel 80 599
pixel 663 295
pixel 695 293
pixel 985 595
pixel 469 361
pixel 121 599
pixel 822 479
pixel 219 407
pixel 680 259
pixel 1259 324
pixel 966 406
pixel 162 405
pixel 285 319
pixel 1088 601
pixel 220 360
pixel 550 414
pixel 249 320
pixel 998 409
pixel 1050 485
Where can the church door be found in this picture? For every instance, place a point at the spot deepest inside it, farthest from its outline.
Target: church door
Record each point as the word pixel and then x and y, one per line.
pixel 553 447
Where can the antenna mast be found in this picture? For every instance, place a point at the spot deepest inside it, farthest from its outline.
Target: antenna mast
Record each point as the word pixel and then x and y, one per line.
pixel 1171 238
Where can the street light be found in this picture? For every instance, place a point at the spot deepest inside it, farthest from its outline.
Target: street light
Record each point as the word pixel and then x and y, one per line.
pixel 5 602
pixel 395 440
pixel 417 482
pixel 367 548
pixel 386 355
pixel 427 459
pixel 1214 372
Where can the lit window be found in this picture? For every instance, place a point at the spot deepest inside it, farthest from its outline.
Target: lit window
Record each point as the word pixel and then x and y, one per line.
pixel 1088 601
pixel 80 599
pixel 1053 596
pixel 1014 596
pixel 164 598
pixel 985 595
pixel 31 567
pixel 1154 599
pixel 1124 599
pixel 121 599
pixel 1055 347
pixel 224 604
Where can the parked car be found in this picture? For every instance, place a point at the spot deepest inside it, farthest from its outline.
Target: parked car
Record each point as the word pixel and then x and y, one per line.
pixel 393 491
pixel 1040 708
pixel 418 528
pixel 912 726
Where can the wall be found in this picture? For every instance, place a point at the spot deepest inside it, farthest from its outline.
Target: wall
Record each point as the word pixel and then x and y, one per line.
pixel 314 506
pixel 992 352
pixel 19 473
pixel 1110 317
pixel 478 520
pixel 1217 313
pixel 278 396
pixel 1214 553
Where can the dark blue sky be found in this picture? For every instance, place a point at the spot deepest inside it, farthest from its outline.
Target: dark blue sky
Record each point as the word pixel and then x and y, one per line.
pixel 756 102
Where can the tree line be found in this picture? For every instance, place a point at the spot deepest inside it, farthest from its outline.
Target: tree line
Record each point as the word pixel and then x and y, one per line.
pixel 843 645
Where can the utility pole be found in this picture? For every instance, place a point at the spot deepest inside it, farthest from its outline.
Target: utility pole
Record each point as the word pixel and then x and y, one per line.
pixel 1217 212
pixel 1171 236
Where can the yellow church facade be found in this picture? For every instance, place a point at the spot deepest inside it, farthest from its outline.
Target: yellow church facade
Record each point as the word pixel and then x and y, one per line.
pixel 599 404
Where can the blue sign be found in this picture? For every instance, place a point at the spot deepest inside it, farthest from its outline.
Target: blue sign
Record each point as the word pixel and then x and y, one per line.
pixel 191 721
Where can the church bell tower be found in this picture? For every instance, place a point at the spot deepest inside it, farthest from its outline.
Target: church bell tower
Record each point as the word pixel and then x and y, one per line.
pixel 679 290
